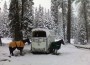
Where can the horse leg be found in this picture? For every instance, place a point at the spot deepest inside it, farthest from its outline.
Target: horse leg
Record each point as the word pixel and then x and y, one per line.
pixel 50 49
pixel 21 49
pixel 11 50
pixel 20 52
pixel 54 51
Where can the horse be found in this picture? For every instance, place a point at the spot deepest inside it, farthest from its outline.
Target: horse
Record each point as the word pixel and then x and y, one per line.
pixel 17 45
pixel 54 46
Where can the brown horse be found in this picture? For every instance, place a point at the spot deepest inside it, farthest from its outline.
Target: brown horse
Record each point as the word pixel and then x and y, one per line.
pixel 17 45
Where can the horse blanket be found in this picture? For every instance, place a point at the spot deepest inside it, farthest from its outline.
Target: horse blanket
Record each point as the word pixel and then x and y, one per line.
pixel 56 45
pixel 16 44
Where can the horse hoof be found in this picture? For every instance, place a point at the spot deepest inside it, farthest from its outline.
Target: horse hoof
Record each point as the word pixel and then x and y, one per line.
pixel 13 55
pixel 21 54
pixel 9 56
pixel 16 55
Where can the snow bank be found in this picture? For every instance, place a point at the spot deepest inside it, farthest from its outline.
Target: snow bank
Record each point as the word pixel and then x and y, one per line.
pixel 6 40
pixel 69 55
pixel 72 41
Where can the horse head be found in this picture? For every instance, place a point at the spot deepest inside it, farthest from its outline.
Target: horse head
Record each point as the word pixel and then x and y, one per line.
pixel 62 41
pixel 27 40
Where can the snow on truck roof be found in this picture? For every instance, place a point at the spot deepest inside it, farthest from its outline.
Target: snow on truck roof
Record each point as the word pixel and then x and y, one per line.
pixel 48 32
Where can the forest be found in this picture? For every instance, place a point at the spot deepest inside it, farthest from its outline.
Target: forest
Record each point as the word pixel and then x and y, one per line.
pixel 69 19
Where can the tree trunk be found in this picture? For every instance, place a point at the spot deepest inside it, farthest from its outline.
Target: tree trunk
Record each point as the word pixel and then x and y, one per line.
pixel 69 22
pixel 17 23
pixel 0 41
pixel 63 18
pixel 85 16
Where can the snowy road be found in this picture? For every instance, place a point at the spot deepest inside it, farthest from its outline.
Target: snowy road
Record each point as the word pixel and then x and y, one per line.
pixel 69 55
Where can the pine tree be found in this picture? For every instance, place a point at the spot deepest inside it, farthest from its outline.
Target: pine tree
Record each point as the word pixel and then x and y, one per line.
pixel 39 14
pixel 54 10
pixel 15 23
pixel 5 21
pixel 21 18
pixel 36 18
pixel 82 23
pixel 64 5
pixel 47 19
pixel 27 16
pixel 4 30
pixel 54 15
pixel 88 18
pixel 0 28
pixel 69 22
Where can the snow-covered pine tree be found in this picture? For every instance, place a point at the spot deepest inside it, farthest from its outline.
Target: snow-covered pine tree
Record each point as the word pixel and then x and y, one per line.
pixel 63 9
pixel 1 22
pixel 81 24
pixel 0 27
pixel 39 14
pixel 83 19
pixel 5 31
pixel 27 17
pixel 40 17
pixel 54 15
pixel 74 22
pixel 88 19
pixel 54 10
pixel 21 18
pixel 58 9
pixel 36 18
pixel 15 23
pixel 48 23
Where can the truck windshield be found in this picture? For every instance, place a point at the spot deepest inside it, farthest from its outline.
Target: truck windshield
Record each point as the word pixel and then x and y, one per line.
pixel 39 34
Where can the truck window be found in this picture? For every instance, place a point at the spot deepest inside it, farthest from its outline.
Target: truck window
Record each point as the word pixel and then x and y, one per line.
pixel 39 34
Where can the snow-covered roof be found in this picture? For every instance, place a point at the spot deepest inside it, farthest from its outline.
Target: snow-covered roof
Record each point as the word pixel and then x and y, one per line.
pixel 42 29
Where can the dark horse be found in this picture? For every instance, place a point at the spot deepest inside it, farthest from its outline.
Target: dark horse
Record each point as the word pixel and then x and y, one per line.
pixel 17 45
pixel 56 46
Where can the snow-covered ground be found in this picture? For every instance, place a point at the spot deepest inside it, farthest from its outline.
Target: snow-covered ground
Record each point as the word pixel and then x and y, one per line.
pixel 69 55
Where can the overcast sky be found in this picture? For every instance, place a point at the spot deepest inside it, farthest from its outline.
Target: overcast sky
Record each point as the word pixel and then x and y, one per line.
pixel 2 3
pixel 45 3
